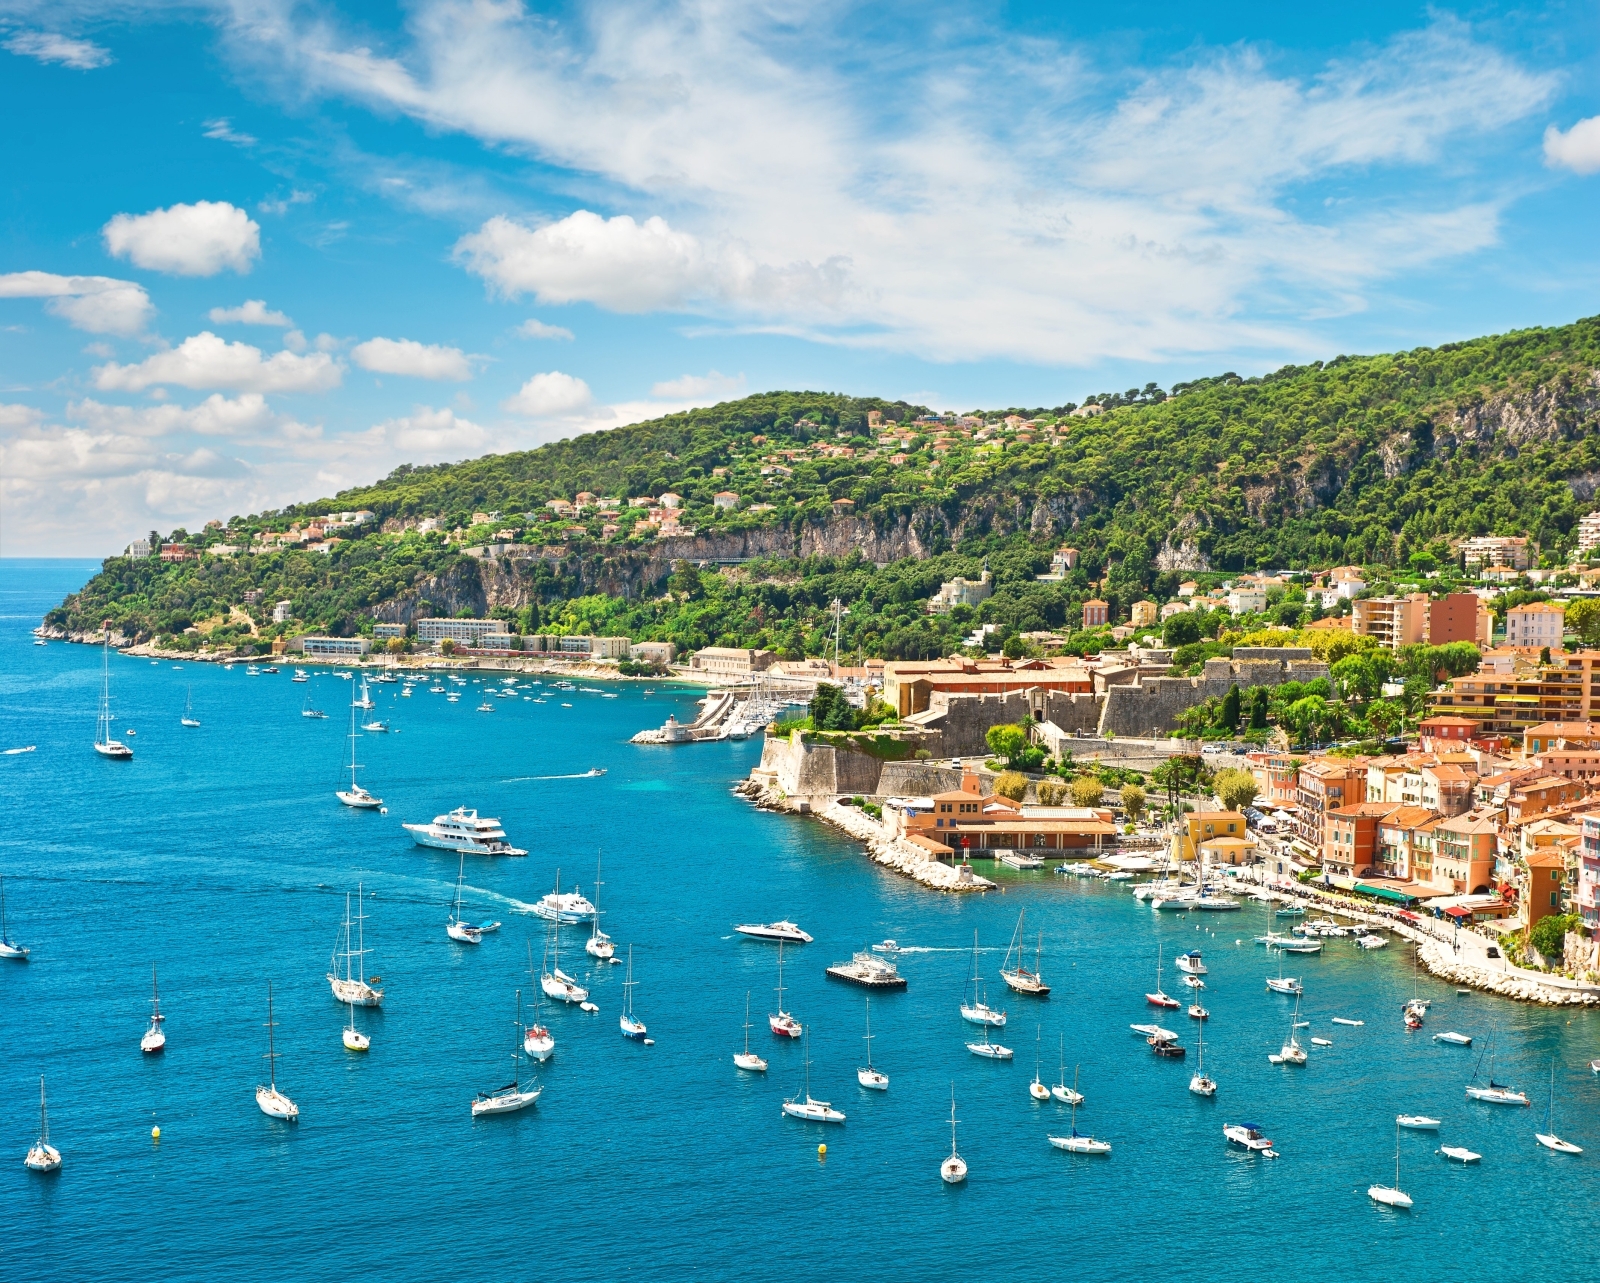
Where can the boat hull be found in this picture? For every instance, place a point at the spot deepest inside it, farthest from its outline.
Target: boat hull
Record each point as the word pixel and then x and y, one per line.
pixel 1081 1144
pixel 1389 1197
pixel 444 842
pixel 362 801
pixel 785 1025
pixel 115 750
pixel 355 992
pixel 953 1170
pixel 507 1103
pixel 540 1045
pixel 43 1158
pixel 153 1041
pixel 812 1111
pixel 872 1080
pixel 982 1015
pixel 989 1050
pixel 563 990
pixel 1025 982
pixel 274 1104
pixel 751 1062
pixel 1557 1144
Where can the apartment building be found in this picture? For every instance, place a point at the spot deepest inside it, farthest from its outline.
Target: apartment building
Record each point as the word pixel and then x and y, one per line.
pixel 1350 837
pixel 1460 617
pixel 1404 843
pixel 1464 851
pixel 331 647
pixel 1587 894
pixel 1588 534
pixel 1513 552
pixel 1535 626
pixel 1510 698
pixel 1324 785
pixel 1393 621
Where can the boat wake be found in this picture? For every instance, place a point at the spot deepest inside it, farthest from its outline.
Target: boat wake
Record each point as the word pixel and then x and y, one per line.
pixel 11 752
pixel 580 775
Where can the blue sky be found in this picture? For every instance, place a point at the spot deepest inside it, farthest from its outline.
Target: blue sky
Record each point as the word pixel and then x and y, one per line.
pixel 256 251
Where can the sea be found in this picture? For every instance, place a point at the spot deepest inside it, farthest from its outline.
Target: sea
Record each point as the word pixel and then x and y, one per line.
pixel 220 857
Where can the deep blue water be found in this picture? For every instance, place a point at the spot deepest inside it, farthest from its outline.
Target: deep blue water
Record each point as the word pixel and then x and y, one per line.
pixel 221 855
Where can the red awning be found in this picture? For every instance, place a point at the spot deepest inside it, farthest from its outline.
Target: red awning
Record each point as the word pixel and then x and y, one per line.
pixel 1456 911
pixel 1407 916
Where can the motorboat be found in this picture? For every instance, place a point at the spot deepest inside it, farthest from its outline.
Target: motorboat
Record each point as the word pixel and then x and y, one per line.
pixel 1193 982
pixel 463 830
pixel 1460 1153
pixel 573 906
pixel 155 1038
pixel 1154 1031
pixel 272 1102
pixel 42 1155
pixel 632 1026
pixel 887 946
pixel 352 986
pixel 747 1059
pixel 1209 902
pixel 456 927
pixel 1454 1039
pixel 867 1076
pixel 1418 1122
pixel 1322 1042
pixel 1345 1020
pixel 1391 1195
pixel 104 744
pixel 1248 1136
pixel 1305 946
pixel 1166 1048
pixel 1020 978
pixel 513 1096
pixel 784 930
pixel 804 1107
pixel 781 1022
pixel 1197 1012
pixel 1370 942
pixel 1190 963
pixel 954 1169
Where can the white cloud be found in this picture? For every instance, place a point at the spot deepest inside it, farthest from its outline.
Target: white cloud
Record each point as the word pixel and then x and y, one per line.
pixel 205 361
pixel 98 304
pixel 223 131
pixel 187 240
pixel 1039 202
pixel 253 311
pixel 47 46
pixel 1578 149
pixel 534 329
pixel 408 357
pixel 427 435
pixel 548 395
pixel 692 387
pixel 19 416
pixel 280 205
pixel 216 416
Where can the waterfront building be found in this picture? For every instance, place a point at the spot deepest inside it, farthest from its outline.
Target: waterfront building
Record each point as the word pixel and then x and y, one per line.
pixel 1464 852
pixel 967 821
pixel 1587 895
pixel 1404 841
pixel 331 647
pixel 731 661
pixel 909 685
pixel 1203 831
pixel 1326 784
pixel 653 652
pixel 464 632
pixel 1277 777
pixel 1544 886
pixel 387 631
pixel 1350 837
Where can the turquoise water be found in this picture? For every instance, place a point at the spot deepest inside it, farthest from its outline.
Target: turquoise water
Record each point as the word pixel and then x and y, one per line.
pixel 221 855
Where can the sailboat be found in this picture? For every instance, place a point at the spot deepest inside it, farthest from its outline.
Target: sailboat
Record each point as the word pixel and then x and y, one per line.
pixel 537 1040
pixel 1291 1053
pixel 1391 1195
pixel 954 1169
pixel 354 1039
pixel 355 795
pixel 511 1097
pixel 599 944
pixel 1202 1084
pixel 455 926
pixel 273 1103
pixel 979 1012
pixel 155 1037
pixel 1495 1093
pixel 1282 983
pixel 870 1077
pixel 1066 1095
pixel 43 1156
pixel 188 718
pixel 1417 1008
pixel 308 709
pixel 9 948
pixel 1160 998
pixel 783 1024
pixel 1548 1137
pixel 989 1050
pixel 555 982
pixel 632 1026
pixel 1072 1142
pixel 807 1109
pixel 103 743
pixel 1019 977
pixel 366 698
pixel 747 1059
pixel 1036 1088
pixel 352 986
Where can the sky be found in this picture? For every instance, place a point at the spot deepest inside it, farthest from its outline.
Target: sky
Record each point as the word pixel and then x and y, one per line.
pixel 255 252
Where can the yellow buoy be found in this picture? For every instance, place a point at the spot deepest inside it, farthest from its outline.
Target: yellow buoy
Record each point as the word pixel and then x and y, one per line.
pixel 155 1133
pixel 822 1151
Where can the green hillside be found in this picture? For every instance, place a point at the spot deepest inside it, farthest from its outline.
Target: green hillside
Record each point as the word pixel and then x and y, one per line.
pixel 1379 461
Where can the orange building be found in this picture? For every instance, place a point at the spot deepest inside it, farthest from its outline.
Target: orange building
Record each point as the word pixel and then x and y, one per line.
pixel 1547 872
pixel 967 821
pixel 1095 613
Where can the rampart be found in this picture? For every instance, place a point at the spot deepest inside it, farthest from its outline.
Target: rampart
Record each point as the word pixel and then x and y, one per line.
pixel 1153 706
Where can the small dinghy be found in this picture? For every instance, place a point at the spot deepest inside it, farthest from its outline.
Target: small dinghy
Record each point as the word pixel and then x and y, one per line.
pixel 1454 1039
pixel 1460 1154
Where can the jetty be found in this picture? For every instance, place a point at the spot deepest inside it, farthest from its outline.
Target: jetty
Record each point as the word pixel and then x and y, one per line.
pixel 869 971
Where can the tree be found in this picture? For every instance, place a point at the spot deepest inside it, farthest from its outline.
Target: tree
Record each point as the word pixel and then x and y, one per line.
pixel 1051 792
pixel 1006 741
pixel 1133 800
pixel 1235 789
pixel 447 647
pixel 1012 785
pixel 1583 618
pixel 831 711
pixel 1087 791
pixel 1013 648
pixel 1181 629
pixel 1260 700
pixel 1230 709
pixel 1550 934
pixel 396 646
pixel 1361 677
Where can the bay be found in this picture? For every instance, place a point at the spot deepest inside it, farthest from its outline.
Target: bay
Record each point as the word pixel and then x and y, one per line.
pixel 221 855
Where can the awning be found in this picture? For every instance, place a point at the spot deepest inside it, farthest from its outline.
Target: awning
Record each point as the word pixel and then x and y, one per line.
pixel 1456 911
pixel 1384 893
pixel 1407 917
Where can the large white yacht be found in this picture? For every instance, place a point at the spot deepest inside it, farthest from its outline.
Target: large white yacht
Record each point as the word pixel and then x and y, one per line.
pixel 464 830
pixel 565 906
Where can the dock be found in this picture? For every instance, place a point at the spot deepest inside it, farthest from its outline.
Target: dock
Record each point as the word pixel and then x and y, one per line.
pixel 869 971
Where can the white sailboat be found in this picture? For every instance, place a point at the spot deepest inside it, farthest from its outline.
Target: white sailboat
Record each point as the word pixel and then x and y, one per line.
pixel 9 948
pixel 989 1050
pixel 747 1059
pixel 1282 983
pixel 1202 1084
pixel 979 1012
pixel 104 744
pixel 807 1109
pixel 354 1039
pixel 555 982
pixel 1020 978
pixel 954 1169
pixel 1548 1137
pixel 352 986
pixel 1036 1088
pixel 188 718
pixel 355 795
pixel 1072 1142
pixel 512 1097
pixel 43 1156
pixel 870 1077
pixel 366 697
pixel 537 1040
pixel 599 944
pixel 1066 1095
pixel 1391 1195
pixel 632 1026
pixel 155 1037
pixel 782 1023
pixel 1291 1053
pixel 1495 1093
pixel 456 927
pixel 272 1102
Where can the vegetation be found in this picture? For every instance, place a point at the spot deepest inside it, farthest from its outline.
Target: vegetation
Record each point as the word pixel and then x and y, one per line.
pixel 1549 935
pixel 1012 784
pixel 1235 789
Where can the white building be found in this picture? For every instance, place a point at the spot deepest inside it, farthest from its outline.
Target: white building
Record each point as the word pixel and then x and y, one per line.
pixel 1588 533
pixel 961 592
pixel 1243 601
pixel 464 632
pixel 331 647
pixel 1535 626
pixel 139 548
pixel 282 612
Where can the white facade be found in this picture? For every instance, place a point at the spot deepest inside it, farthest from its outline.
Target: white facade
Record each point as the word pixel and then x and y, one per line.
pixel 282 612
pixel 465 632
pixel 331 647
pixel 1536 625
pixel 139 548
pixel 1588 533
pixel 1246 600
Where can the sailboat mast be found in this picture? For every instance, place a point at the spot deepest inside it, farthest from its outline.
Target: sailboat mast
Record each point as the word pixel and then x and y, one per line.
pixel 361 929
pixel 44 1118
pixel 272 1049
pixel 869 1033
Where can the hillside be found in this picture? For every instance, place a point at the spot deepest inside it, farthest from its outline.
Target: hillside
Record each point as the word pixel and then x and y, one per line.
pixel 1379 461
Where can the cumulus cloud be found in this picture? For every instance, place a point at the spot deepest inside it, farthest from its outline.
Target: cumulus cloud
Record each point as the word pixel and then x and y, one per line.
pixel 206 361
pixel 550 394
pixel 408 357
pixel 186 240
pixel 427 435
pixel 534 329
pixel 19 416
pixel 691 387
pixel 47 46
pixel 216 416
pixel 253 311
pixel 1578 149
pixel 97 304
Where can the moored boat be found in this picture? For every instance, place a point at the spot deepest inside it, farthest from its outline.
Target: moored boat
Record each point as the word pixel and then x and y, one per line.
pixel 465 831
pixel 782 930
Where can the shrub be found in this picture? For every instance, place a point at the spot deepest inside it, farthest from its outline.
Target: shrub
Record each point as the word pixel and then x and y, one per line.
pixel 1549 936
pixel 1133 800
pixel 1051 793
pixel 1087 791
pixel 1235 789
pixel 1012 784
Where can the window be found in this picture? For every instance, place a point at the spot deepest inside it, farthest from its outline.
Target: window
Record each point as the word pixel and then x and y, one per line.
pixel 1555 899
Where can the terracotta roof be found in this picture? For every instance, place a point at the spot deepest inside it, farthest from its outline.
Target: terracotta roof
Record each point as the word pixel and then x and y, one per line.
pixel 1410 817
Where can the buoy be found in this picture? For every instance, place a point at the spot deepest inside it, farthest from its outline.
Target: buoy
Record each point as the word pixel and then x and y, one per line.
pixel 155 1133
pixel 822 1151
